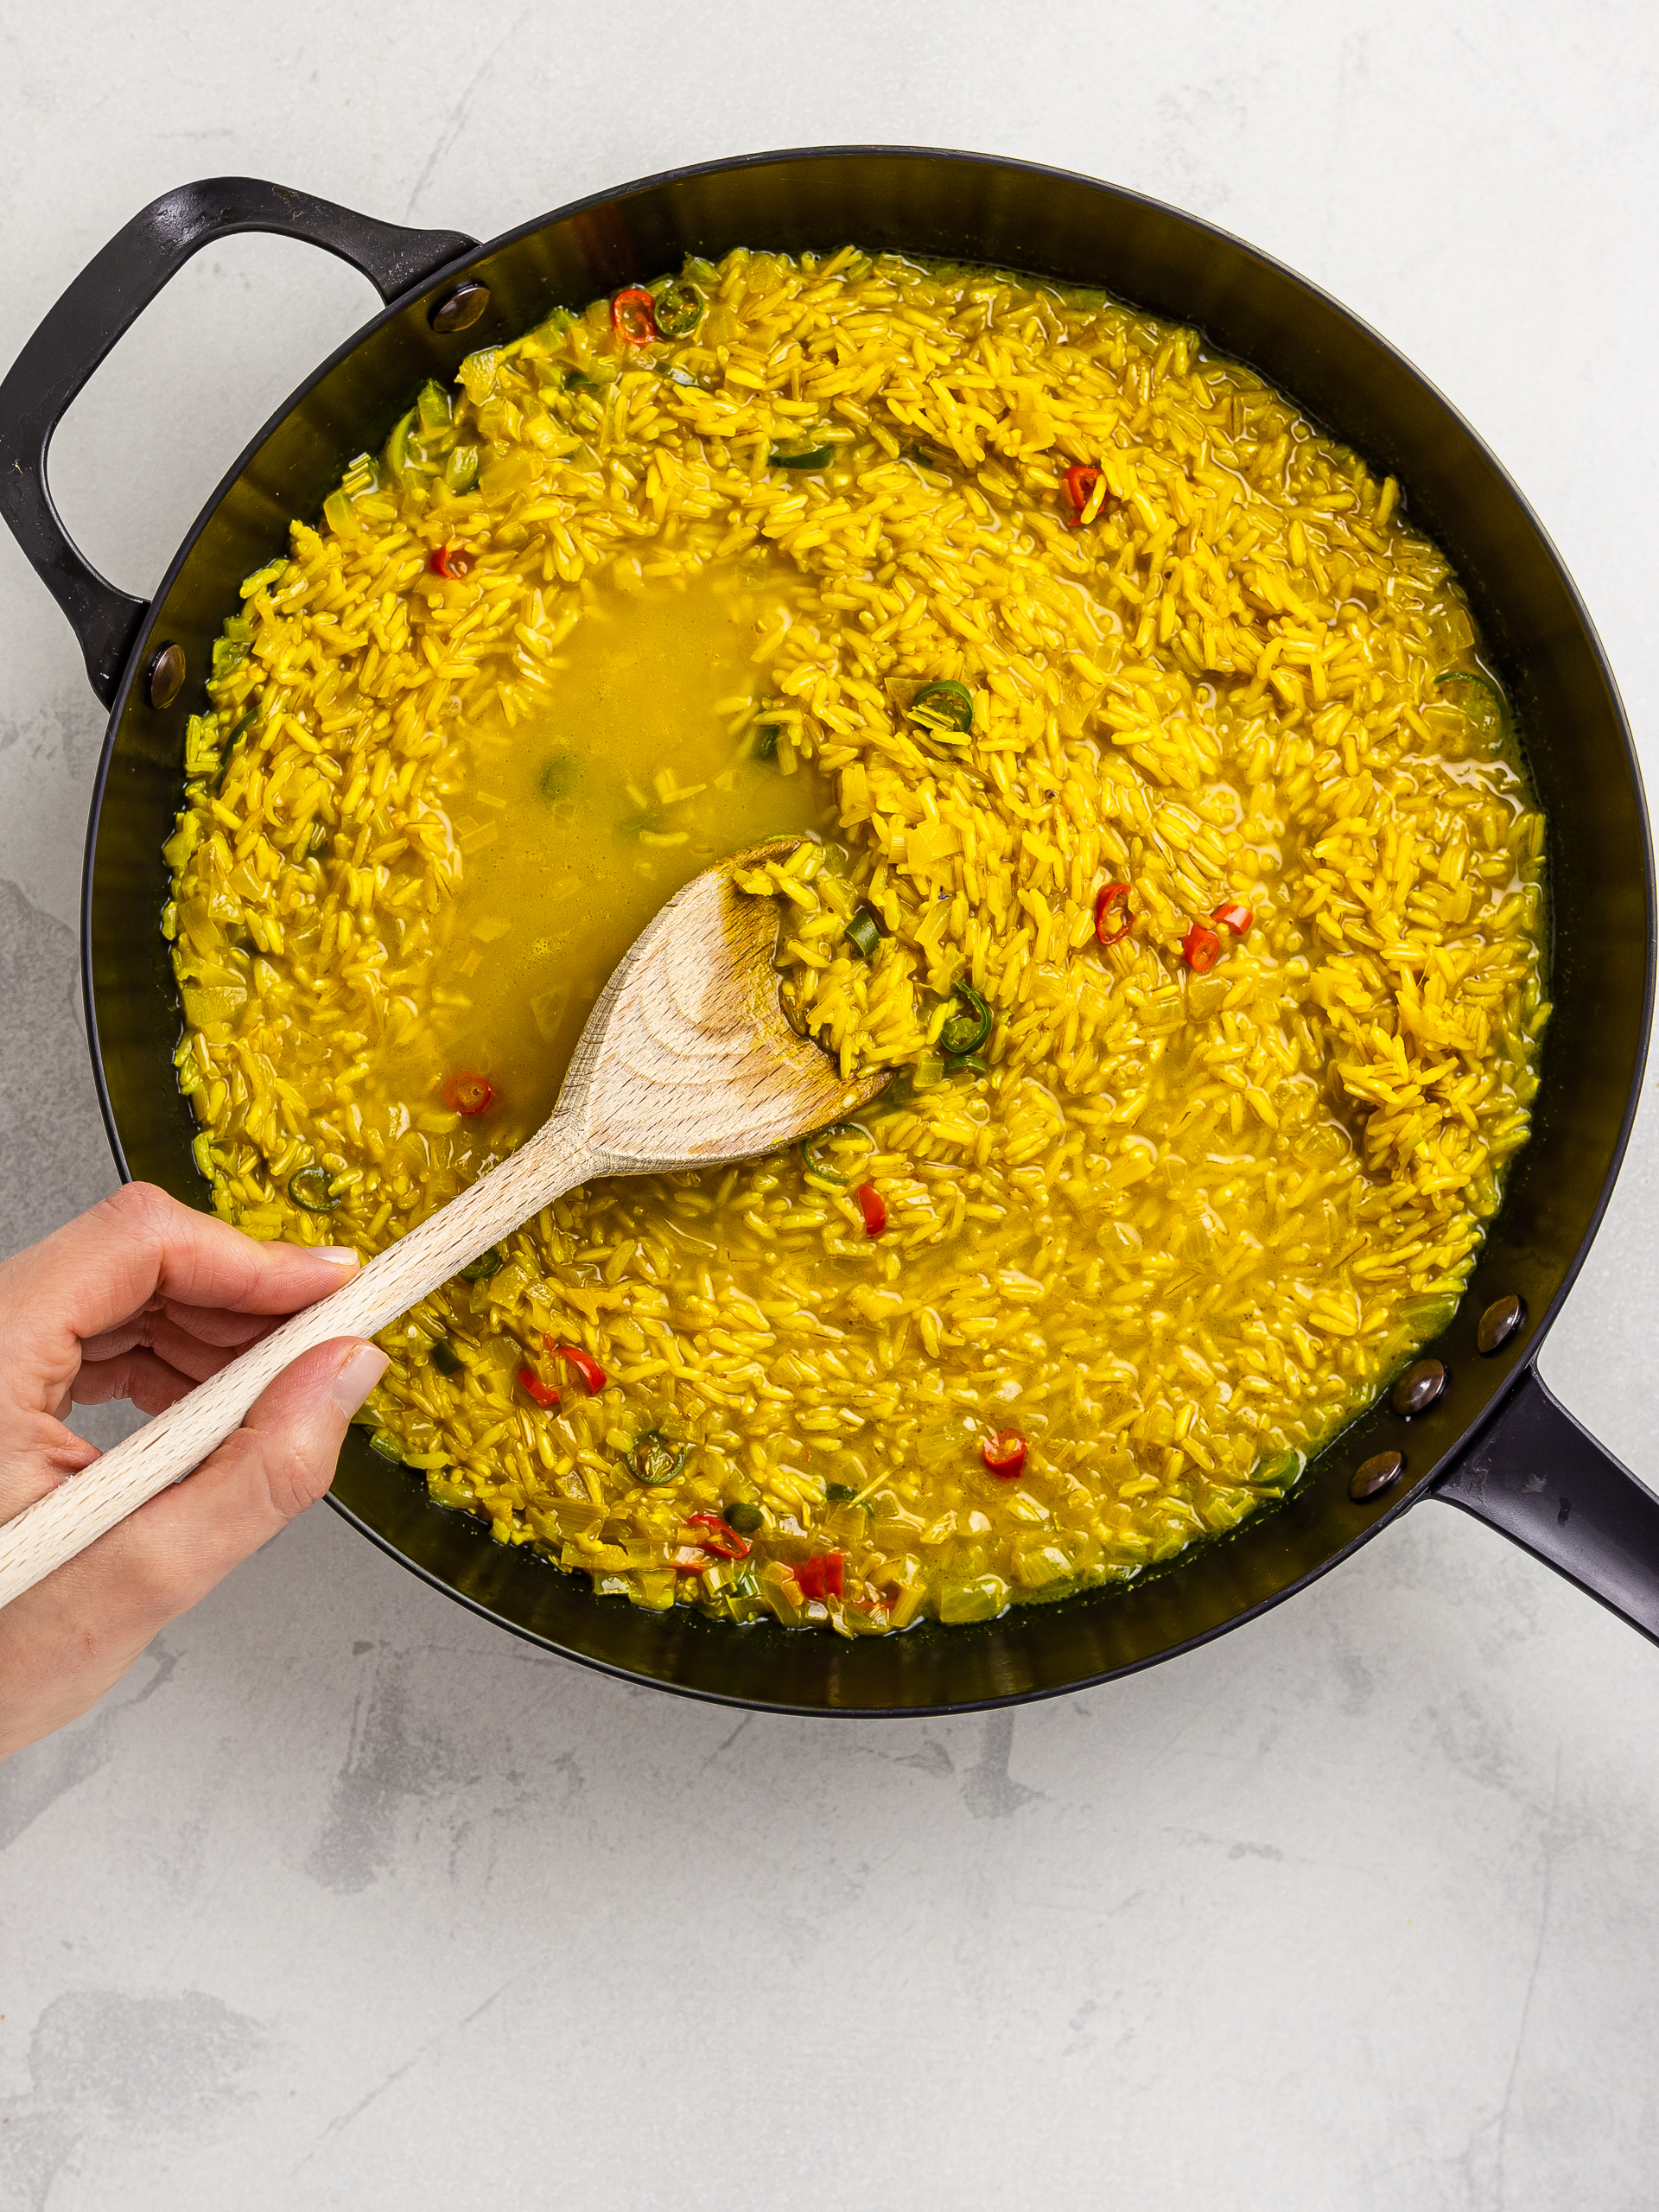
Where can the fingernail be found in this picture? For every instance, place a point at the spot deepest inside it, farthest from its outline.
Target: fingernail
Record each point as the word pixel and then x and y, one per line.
pixel 339 1256
pixel 359 1377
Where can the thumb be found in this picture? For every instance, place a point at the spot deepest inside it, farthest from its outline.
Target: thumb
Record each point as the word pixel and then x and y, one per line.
pixel 280 1460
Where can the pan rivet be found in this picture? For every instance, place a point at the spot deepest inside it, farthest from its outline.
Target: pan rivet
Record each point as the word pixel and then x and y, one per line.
pixel 1418 1388
pixel 461 309
pixel 1376 1475
pixel 165 678
pixel 1499 1323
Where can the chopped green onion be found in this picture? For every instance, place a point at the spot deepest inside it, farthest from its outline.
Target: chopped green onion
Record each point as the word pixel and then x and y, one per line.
pixel 807 457
pixel 486 1265
pixel 743 1515
pixel 765 746
pixel 313 1188
pixel 899 1093
pixel 679 310
pixel 653 1462
pixel 445 1357
pixel 383 1441
pixel 432 407
pixel 556 780
pixel 965 1032
pixel 944 706
pixel 928 1070
pixel 839 1493
pixel 864 933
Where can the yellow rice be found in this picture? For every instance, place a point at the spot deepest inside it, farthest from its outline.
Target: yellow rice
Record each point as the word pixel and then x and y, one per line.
pixel 1185 1224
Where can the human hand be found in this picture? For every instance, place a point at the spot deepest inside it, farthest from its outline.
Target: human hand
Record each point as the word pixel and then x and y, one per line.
pixel 143 1298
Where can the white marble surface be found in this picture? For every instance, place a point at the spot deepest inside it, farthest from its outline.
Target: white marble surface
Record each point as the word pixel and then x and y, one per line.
pixel 344 1899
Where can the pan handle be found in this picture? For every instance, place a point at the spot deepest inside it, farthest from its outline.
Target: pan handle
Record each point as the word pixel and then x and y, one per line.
pixel 105 300
pixel 1547 1485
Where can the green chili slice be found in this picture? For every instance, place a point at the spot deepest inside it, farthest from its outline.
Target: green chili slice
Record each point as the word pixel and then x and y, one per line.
pixel 806 457
pixel 839 1493
pixel 486 1265
pixel 312 1188
pixel 820 1168
pixel 445 1357
pixel 1480 699
pixel 864 933
pixel 653 1461
pixel 765 746
pixel 743 1515
pixel 383 1441
pixel 398 449
pixel 966 1032
pixel 816 1167
pixel 679 310
pixel 944 706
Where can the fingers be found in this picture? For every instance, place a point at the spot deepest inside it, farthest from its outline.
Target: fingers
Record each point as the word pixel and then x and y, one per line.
pixel 65 1642
pixel 39 1451
pixel 194 1352
pixel 280 1460
pixel 92 1276
pixel 151 1382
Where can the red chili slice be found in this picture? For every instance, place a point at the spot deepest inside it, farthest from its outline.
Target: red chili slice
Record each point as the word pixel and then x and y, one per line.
pixel 448 561
pixel 1115 894
pixel 1004 1453
pixel 584 1362
pixel 874 1207
pixel 1202 949
pixel 468 1092
pixel 820 1577
pixel 544 1393
pixel 633 317
pixel 1080 483
pixel 717 1537
pixel 1233 917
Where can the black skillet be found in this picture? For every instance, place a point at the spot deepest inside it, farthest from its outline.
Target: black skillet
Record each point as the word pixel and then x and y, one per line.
pixel 1492 1440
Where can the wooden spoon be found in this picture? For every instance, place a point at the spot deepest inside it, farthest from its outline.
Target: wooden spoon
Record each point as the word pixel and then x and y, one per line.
pixel 686 1061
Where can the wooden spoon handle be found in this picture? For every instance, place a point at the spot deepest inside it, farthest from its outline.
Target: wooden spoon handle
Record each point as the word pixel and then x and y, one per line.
pixel 80 1511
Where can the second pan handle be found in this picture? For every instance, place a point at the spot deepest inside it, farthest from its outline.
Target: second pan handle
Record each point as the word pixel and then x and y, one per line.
pixel 1546 1483
pixel 103 302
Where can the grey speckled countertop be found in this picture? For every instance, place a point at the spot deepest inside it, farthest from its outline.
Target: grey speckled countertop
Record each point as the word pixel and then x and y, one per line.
pixel 343 1898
